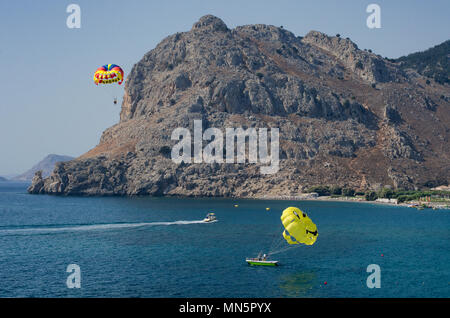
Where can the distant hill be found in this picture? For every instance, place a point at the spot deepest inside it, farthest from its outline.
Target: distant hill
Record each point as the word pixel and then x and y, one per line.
pixel 3 179
pixel 432 63
pixel 46 165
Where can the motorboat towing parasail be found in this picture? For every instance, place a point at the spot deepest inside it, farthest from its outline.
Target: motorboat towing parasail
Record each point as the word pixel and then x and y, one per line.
pixel 261 260
pixel 298 229
pixel 210 217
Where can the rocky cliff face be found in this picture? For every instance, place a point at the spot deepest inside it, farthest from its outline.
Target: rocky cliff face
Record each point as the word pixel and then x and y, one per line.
pixel 345 116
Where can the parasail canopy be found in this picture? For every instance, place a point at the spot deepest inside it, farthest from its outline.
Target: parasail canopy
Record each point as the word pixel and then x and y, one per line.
pixel 298 227
pixel 108 74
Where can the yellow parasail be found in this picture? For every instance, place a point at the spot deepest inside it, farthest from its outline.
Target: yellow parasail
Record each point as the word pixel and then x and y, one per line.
pixel 299 229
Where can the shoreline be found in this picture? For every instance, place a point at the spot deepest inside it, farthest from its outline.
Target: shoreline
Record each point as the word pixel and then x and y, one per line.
pixel 308 197
pixel 300 197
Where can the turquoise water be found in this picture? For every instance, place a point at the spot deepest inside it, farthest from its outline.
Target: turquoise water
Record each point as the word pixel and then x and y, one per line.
pixel 156 247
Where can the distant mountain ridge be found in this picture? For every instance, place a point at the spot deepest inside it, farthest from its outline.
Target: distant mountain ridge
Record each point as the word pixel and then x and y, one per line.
pixel 46 165
pixel 433 63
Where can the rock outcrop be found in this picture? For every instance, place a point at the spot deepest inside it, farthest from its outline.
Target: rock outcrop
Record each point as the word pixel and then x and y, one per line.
pixel 367 65
pixel 345 116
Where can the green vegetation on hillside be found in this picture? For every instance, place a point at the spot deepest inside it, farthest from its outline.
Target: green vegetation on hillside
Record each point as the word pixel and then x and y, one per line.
pixel 386 193
pixel 433 63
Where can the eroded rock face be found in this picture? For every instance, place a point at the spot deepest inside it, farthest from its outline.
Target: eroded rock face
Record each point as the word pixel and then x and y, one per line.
pixel 336 127
pixel 366 65
pixel 37 183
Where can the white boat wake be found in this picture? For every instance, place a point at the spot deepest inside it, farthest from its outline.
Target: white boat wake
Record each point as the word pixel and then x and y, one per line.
pixel 93 227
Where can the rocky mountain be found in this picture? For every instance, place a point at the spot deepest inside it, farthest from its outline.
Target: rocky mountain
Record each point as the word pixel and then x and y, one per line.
pixel 46 165
pixel 433 63
pixel 345 116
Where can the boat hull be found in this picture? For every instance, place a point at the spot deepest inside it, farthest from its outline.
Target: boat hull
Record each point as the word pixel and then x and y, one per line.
pixel 261 263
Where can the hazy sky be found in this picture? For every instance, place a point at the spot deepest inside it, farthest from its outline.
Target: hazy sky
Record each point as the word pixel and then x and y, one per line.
pixel 49 103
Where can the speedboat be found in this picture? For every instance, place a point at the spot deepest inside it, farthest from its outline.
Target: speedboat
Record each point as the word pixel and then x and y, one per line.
pixel 261 261
pixel 210 217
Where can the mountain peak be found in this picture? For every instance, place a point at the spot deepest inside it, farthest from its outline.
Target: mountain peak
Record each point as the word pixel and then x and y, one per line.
pixel 46 165
pixel 209 23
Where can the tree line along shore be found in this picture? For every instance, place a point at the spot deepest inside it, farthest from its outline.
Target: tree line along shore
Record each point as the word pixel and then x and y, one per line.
pixel 419 198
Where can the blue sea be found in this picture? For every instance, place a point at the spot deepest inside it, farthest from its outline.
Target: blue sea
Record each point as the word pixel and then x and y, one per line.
pixel 158 247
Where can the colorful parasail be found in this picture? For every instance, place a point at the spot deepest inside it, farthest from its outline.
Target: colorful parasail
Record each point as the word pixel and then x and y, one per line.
pixel 108 74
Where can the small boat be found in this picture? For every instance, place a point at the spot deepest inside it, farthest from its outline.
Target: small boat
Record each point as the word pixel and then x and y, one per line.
pixel 210 217
pixel 261 261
